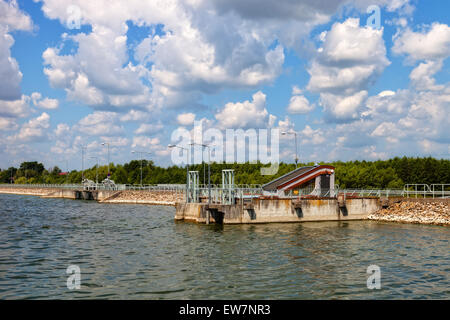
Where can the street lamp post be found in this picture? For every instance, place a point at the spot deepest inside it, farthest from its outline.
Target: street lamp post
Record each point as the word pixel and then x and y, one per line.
pixel 67 170
pixel 209 166
pixel 82 163
pixel 295 134
pixel 187 165
pixel 107 143
pixel 140 153
pixel 96 172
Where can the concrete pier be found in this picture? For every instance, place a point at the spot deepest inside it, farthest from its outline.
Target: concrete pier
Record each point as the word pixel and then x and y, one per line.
pixel 278 210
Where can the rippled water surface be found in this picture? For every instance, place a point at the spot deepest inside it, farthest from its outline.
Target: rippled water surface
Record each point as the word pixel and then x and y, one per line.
pixel 139 252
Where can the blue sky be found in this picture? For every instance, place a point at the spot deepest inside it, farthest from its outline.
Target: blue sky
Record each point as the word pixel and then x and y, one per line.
pixel 130 73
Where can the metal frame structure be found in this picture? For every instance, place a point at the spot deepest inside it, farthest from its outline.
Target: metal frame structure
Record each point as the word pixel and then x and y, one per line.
pixel 193 187
pixel 228 187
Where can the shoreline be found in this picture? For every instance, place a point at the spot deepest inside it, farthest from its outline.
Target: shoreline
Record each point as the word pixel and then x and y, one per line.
pixel 164 198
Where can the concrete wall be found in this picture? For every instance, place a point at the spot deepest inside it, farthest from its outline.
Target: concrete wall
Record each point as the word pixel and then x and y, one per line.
pixel 278 210
pixel 84 195
pixel 62 193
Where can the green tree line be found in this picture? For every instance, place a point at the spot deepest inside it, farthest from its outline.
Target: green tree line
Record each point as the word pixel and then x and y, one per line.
pixel 392 173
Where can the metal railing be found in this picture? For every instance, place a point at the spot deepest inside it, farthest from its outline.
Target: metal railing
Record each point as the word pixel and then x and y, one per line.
pixel 426 191
pixel 250 191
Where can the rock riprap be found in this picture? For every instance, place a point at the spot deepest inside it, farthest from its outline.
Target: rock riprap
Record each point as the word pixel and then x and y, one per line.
pixel 149 196
pixel 437 212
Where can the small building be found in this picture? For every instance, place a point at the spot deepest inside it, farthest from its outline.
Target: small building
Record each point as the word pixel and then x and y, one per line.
pixel 310 180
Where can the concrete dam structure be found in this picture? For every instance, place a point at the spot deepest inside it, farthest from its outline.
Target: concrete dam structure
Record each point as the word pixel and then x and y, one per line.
pixel 304 194
pixel 278 210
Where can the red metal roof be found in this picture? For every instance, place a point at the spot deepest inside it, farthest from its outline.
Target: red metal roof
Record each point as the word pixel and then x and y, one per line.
pixel 297 177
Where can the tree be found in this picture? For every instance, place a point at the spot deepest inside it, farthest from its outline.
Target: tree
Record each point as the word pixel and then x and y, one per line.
pixel 120 175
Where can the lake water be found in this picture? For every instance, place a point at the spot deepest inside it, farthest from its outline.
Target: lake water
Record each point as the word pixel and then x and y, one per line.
pixel 140 252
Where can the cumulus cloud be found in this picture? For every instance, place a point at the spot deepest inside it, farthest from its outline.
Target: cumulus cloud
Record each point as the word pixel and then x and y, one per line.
pixel 148 128
pixel 387 104
pixel 44 103
pixel 34 130
pixel 11 19
pixel 14 108
pixel 433 43
pixel 145 142
pixel 299 104
pixel 95 74
pixel 135 116
pixel 186 119
pixel 312 136
pixel 100 123
pixel 247 114
pixel 350 59
pixel 187 57
pixel 343 64
pixel 8 124
pixel 341 108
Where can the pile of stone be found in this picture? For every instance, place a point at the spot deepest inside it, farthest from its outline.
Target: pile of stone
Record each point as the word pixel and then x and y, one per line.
pixel 156 197
pixel 436 212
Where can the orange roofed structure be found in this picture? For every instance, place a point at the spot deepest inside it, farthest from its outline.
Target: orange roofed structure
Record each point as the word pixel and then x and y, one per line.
pixel 311 180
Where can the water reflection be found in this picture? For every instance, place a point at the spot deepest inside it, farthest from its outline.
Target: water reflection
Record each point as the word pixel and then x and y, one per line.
pixel 139 252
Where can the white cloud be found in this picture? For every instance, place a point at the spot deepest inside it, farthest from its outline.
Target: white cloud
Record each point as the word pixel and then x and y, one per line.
pixel 312 136
pixel 343 108
pixel 14 108
pixel 11 18
pixel 372 153
pixel 187 58
pixel 145 142
pixel 285 126
pixel 342 71
pixel 147 128
pixel 387 103
pixel 95 75
pixel 422 76
pixel 45 103
pixel 8 124
pixel 431 44
pixel 387 129
pixel 344 64
pixel 100 123
pixel 135 115
pixel 299 105
pixel 296 90
pixel 34 130
pixel 247 114
pixel 9 69
pixel 186 119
